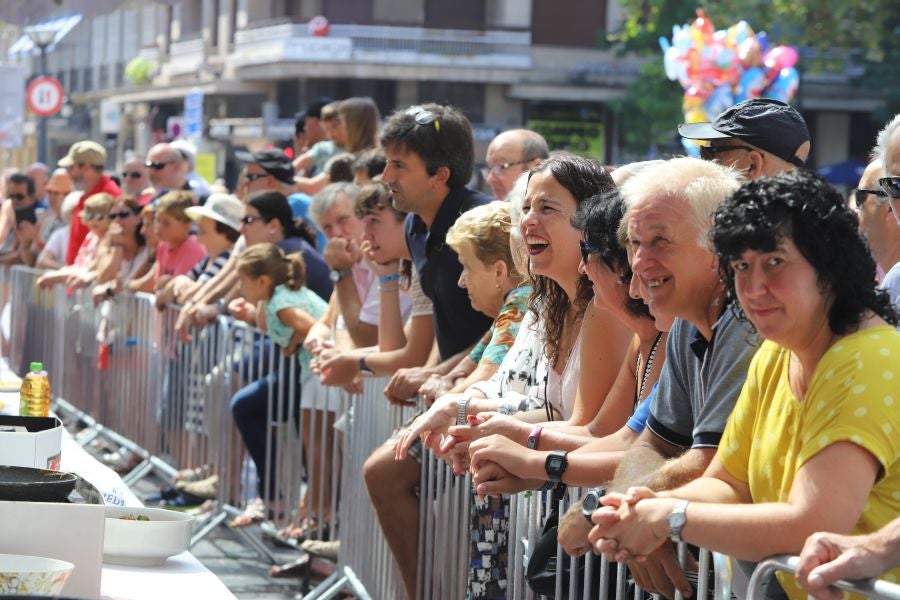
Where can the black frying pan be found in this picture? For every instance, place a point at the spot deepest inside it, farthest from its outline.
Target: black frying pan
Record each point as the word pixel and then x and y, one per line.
pixel 35 485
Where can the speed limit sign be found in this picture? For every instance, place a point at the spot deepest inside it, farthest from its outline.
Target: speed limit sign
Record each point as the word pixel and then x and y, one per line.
pixel 44 96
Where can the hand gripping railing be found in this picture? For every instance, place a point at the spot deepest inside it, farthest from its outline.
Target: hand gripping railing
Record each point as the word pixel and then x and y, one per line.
pixel 871 588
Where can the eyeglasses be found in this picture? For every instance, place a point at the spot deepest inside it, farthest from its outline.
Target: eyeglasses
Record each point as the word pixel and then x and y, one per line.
pixel 891 186
pixel 157 166
pixel 249 219
pixel 860 195
pixel 17 197
pixel 587 249
pixel 133 174
pixel 710 152
pixel 497 170
pixel 92 216
pixel 254 176
pixel 122 214
pixel 423 116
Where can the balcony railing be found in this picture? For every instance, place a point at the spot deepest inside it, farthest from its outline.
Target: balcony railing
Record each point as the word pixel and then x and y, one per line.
pixel 383 44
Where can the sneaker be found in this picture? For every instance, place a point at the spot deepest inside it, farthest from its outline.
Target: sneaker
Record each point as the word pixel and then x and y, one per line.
pixel 205 488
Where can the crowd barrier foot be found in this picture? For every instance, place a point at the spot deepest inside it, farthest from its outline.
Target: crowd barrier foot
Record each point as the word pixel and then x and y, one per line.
pixel 209 526
pixel 245 534
pixel 341 581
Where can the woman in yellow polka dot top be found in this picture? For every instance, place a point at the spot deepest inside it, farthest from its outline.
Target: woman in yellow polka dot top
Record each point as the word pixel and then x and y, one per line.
pixel 813 443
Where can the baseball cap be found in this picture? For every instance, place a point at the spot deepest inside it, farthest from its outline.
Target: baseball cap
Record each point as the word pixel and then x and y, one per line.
pixel 60 182
pixel 224 208
pixel 84 152
pixel 273 160
pixel 768 124
pixel 314 108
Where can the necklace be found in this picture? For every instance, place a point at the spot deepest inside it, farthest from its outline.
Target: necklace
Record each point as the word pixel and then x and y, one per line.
pixel 647 367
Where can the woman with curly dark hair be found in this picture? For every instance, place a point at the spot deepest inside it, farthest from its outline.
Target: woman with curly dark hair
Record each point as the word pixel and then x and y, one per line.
pixel 812 443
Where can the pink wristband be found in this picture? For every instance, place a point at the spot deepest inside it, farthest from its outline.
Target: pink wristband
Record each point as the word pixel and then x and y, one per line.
pixel 534 437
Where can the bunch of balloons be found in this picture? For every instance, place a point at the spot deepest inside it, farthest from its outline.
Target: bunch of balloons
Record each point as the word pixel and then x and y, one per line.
pixel 720 68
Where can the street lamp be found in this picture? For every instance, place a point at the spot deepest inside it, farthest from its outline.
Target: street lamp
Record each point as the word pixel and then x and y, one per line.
pixel 42 37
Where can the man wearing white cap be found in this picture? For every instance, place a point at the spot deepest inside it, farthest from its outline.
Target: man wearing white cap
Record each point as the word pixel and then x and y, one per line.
pixel 218 228
pixel 84 163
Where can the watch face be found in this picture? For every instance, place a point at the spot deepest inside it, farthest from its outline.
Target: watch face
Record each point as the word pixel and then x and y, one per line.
pixel 677 520
pixel 334 276
pixel 591 502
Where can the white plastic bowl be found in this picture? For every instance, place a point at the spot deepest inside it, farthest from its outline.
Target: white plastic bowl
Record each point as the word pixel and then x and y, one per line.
pixel 145 543
pixel 20 574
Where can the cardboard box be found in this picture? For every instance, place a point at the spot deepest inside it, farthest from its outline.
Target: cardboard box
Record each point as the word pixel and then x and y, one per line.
pixel 38 447
pixel 72 532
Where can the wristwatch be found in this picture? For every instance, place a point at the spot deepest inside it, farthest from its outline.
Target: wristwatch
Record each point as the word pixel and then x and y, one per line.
pixel 336 275
pixel 591 502
pixel 677 519
pixel 556 465
pixel 461 406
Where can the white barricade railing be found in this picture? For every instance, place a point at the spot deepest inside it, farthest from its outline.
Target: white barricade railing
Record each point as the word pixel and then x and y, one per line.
pixel 871 588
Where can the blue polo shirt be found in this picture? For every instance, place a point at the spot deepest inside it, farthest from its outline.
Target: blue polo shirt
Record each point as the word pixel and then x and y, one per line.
pixel 456 324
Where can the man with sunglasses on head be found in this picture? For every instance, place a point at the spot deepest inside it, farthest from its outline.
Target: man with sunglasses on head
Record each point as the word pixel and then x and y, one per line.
pixel 758 137
pixel 84 163
pixel 167 169
pixel 885 238
pixel 509 155
pixel 430 157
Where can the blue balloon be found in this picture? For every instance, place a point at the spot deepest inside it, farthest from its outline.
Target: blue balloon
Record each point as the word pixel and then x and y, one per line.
pixel 751 85
pixel 785 85
pixel 720 99
pixel 763 38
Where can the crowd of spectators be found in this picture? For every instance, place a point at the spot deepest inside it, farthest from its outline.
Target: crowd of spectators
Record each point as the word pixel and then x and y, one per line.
pixel 709 345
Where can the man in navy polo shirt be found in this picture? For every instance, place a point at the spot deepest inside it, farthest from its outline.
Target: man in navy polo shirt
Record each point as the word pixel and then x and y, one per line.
pixel 430 157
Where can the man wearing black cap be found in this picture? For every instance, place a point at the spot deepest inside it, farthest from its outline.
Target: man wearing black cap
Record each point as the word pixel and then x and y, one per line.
pixel 271 169
pixel 758 137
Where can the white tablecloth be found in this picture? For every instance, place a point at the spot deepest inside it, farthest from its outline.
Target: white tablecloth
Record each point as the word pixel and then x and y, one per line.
pixel 181 576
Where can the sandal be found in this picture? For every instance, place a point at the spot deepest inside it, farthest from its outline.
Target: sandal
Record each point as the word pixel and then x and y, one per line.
pixel 253 514
pixel 308 528
pixel 305 567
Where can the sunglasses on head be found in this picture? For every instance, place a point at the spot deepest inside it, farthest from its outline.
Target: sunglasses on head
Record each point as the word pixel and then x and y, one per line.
pixel 122 214
pixel 423 116
pixel 255 176
pixel 891 186
pixel 17 197
pixel 860 195
pixel 710 152
pixel 157 166
pixel 587 249
pixel 132 174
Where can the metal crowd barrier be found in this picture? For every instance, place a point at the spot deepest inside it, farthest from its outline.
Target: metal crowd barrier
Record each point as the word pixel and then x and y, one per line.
pixel 365 565
pixel 871 588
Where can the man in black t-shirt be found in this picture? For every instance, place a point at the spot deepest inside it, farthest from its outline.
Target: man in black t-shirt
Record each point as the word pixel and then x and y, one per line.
pixel 430 157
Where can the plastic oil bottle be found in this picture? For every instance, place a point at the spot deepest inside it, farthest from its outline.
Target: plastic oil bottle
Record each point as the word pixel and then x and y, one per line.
pixel 35 394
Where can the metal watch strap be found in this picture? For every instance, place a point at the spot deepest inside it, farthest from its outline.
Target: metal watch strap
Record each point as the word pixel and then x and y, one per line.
pixel 461 407
pixel 677 520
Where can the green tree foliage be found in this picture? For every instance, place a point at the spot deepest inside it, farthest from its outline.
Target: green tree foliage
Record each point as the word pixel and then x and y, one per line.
pixel 866 32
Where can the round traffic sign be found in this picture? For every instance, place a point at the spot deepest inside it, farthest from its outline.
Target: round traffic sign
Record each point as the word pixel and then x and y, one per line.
pixel 44 96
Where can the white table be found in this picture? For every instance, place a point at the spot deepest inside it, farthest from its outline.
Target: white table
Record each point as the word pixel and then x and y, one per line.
pixel 181 576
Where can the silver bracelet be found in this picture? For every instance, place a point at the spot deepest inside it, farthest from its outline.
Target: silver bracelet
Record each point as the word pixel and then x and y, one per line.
pixel 462 405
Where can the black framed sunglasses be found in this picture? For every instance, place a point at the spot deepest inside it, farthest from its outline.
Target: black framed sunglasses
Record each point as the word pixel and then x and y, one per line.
pixel 860 195
pixel 17 197
pixel 95 216
pixel 891 186
pixel 250 219
pixel 710 152
pixel 132 174
pixel 122 214
pixel 157 166
pixel 424 116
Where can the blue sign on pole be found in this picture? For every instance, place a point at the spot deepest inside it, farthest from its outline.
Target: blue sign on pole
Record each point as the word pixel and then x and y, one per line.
pixel 193 115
